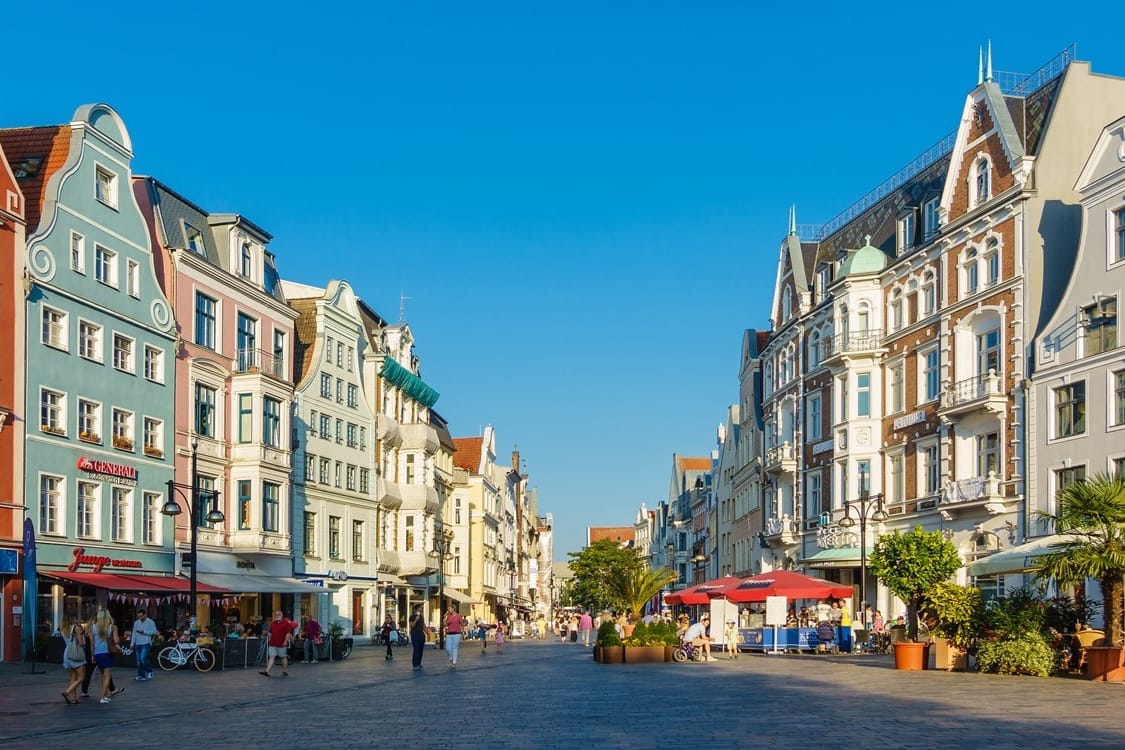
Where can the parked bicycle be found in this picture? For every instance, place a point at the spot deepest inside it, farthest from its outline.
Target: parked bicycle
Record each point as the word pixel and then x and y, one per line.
pixel 176 656
pixel 686 652
pixel 398 638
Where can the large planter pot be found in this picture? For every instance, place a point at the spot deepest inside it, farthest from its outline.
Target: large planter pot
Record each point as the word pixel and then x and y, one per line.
pixel 644 654
pixel 949 657
pixel 612 654
pixel 1104 663
pixel 911 655
pixel 668 651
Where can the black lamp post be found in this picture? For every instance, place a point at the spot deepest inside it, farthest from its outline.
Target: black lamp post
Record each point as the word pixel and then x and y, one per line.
pixel 172 508
pixel 442 541
pixel 872 504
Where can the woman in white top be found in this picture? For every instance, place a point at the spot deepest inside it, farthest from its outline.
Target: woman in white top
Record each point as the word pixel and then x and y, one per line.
pixel 75 668
pixel 104 633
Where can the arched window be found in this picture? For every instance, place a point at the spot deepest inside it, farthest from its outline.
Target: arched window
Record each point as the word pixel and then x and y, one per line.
pixel 863 319
pixel 992 261
pixel 896 309
pixel 814 349
pixel 929 293
pixel 970 272
pixel 983 181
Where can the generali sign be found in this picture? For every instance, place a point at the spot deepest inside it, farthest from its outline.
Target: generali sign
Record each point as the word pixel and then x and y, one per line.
pixel 98 562
pixel 116 473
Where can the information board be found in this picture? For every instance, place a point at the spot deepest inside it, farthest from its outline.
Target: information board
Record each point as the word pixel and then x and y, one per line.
pixel 775 610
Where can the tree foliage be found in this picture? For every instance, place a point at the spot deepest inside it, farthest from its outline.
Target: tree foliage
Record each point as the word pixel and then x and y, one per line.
pixel 593 568
pixel 912 564
pixel 634 587
pixel 1092 511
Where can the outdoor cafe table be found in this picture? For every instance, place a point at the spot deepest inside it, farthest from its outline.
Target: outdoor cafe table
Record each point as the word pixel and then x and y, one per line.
pixel 788 639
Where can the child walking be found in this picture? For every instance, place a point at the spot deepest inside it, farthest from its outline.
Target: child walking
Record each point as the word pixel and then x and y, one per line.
pixel 730 640
pixel 499 637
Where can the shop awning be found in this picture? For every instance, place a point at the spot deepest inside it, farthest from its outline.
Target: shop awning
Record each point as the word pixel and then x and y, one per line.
pixel 701 593
pixel 457 596
pixel 1018 559
pixel 839 557
pixel 119 582
pixel 245 584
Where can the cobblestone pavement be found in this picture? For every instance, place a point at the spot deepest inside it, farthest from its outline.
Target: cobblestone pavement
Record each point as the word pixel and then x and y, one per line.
pixel 549 695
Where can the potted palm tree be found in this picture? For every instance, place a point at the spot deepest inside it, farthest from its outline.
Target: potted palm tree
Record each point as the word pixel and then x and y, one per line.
pixel 911 565
pixel 635 587
pixel 1092 513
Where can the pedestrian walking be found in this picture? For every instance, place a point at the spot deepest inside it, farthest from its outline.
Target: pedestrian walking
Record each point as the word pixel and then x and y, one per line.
pixel 141 639
pixel 74 660
pixel 314 639
pixel 453 627
pixel 280 639
pixel 482 633
pixel 105 646
pixel 730 640
pixel 418 632
pixel 91 665
pixel 586 624
pixel 388 631
pixel 499 637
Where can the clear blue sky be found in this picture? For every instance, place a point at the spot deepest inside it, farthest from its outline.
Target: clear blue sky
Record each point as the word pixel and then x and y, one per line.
pixel 583 200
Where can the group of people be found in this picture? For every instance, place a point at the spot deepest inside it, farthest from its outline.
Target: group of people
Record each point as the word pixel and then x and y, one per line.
pixel 457 627
pixel 92 645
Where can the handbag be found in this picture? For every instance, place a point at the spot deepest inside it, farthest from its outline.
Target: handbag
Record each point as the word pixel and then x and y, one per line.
pixel 74 650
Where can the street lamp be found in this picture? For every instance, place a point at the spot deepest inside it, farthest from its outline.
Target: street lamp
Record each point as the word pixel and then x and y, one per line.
pixel 874 505
pixel 172 508
pixel 442 541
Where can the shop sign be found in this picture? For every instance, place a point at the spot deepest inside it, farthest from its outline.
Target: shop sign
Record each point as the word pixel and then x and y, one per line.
pixel 110 472
pixel 98 562
pixel 909 419
pixel 246 564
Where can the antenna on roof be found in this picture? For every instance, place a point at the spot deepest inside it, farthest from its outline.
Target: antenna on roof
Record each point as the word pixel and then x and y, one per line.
pixel 402 305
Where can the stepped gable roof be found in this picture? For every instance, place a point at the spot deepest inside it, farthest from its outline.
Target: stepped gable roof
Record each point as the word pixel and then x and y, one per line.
pixel 34 155
pixel 466 453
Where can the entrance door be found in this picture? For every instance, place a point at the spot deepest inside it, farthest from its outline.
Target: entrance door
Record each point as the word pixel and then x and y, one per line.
pixel 357 612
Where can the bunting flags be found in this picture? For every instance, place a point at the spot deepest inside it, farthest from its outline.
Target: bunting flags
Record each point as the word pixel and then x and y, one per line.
pixel 142 600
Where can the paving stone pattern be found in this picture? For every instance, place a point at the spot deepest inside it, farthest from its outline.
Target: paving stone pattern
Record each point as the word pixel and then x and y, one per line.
pixel 547 695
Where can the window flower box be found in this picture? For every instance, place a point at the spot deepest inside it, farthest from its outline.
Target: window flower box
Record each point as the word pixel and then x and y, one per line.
pixel 90 437
pixel 152 450
pixel 52 430
pixel 122 443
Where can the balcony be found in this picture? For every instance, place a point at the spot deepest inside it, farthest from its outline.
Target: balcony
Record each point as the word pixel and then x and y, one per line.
pixel 249 540
pixel 261 454
pixel 975 492
pixel 781 528
pixel 418 436
pixel 419 497
pixel 972 395
pixel 838 349
pixel 258 361
pixel 387 493
pixel 781 459
pixel 387 429
pixel 915 505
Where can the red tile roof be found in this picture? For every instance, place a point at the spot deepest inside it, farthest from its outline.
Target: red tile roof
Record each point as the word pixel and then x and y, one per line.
pixel 619 534
pixel 36 153
pixel 688 463
pixel 466 452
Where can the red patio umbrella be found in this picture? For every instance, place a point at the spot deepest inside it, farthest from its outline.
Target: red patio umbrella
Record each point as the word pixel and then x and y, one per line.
pixel 701 593
pixel 783 583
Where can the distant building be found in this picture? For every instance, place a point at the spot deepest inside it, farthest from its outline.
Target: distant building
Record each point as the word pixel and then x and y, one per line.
pixel 623 535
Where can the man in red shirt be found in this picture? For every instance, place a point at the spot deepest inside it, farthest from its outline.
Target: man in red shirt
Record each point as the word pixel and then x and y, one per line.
pixel 280 637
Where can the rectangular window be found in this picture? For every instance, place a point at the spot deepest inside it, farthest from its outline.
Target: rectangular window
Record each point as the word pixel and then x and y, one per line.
pixel 326 426
pixel 121 498
pixel 338 474
pixel 357 541
pixel 906 233
pixel 1119 232
pixel 89 341
pixel 123 353
pixel 992 264
pixel 842 396
pixel 339 354
pixel 279 355
pixel 86 509
pixel 1068 476
pixel 334 537
pixel 897 485
pixel 122 429
pixel 245 417
pixel 247 342
pixel 154 437
pixel 245 500
pixel 329 348
pixel 1119 468
pixel 105 186
pixel 89 421
pixel 325 471
pixel 409 547
pixel 50 504
pixel 929 298
pixel 52 411
pixel 349 481
pixel 312 422
pixel 1119 396
pixel 105 266
pixel 325 386
pixel 271 422
pixel 410 469
pixel 339 391
pixel 931 219
pixel 815 499
pixel 154 364
pixel 132 278
pixel 931 374
pixel 310 533
pixel 1070 409
pixel 351 435
pixel 931 469
pixel 150 517
pixel 814 417
pixel 351 356
pixel 310 468
pixel 363 438
pixel 340 431
pixel 988 352
pixel 195 240
pixel 205 321
pixel 246 269
pixel 77 252
pixel 204 501
pixel 1100 323
pixel 988 454
pixel 898 388
pixel 364 481
pixel 271 506
pixel 204 410
pixel 353 396
pixel 54 328
pixel 863 394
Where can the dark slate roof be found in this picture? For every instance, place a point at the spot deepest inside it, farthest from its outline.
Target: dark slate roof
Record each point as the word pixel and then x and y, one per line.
pixel 174 214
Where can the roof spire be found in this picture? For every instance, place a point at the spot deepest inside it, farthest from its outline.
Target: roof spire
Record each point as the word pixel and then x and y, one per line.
pixel 793 219
pixel 980 65
pixel 988 74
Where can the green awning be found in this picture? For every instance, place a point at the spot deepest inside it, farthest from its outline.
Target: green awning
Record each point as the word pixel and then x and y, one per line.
pixel 408 383
pixel 836 557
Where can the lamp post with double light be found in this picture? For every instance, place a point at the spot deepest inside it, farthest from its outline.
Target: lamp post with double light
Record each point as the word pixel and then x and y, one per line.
pixel 866 505
pixel 443 540
pixel 172 508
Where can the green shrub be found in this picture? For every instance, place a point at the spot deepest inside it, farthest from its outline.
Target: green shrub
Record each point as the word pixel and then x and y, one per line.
pixel 1028 654
pixel 607 635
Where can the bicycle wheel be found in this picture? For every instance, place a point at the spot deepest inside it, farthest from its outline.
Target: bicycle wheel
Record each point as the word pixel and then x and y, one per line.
pixel 680 655
pixel 204 659
pixel 169 658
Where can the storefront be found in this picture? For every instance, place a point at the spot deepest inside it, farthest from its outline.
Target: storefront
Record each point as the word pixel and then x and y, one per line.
pixel 264 584
pixel 351 601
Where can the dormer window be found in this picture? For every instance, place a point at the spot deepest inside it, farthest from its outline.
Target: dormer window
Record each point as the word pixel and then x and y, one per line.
pixel 906 233
pixel 982 181
pixel 105 186
pixel 930 218
pixel 824 280
pixel 194 240
pixel 246 262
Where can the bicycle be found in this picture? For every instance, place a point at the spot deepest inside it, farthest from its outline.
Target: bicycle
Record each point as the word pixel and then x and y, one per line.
pixel 174 657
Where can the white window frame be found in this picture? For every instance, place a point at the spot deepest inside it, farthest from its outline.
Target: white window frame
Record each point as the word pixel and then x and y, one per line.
pixel 1116 398
pixel 127 362
pixel 1075 406
pixel 153 436
pixel 121 513
pixel 929 293
pixel 923 371
pixel 982 168
pixel 52 411
pixel 87 509
pixel 90 341
pixel 54 328
pixel 151 518
pixel 105 185
pixel 906 232
pixel 154 364
pixel 77 253
pixel 105 266
pixel 970 271
pixel 991 260
pixel 814 416
pixel 133 278
pixel 52 504
pixel 929 467
pixel 89 415
pixel 931 218
pixel 896 386
pixel 123 429
pixel 896 476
